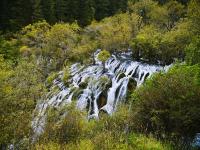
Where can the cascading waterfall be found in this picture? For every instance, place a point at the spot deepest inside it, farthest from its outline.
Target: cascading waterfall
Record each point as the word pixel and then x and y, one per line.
pixel 112 82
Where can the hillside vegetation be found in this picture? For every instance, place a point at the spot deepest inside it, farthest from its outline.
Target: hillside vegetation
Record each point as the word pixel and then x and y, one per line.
pixel 164 113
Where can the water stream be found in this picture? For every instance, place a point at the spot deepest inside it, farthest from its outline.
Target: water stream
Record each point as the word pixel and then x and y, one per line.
pixel 95 82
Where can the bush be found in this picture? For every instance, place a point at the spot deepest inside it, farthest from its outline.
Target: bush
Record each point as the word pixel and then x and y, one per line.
pixel 141 142
pixel 9 49
pixel 168 104
pixel 20 88
pixel 70 129
pixel 51 78
pixel 103 55
pixel 66 75
pixel 33 35
pixel 25 50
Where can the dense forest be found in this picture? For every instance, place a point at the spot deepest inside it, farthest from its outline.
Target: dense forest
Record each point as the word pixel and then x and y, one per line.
pixel 16 14
pixel 41 38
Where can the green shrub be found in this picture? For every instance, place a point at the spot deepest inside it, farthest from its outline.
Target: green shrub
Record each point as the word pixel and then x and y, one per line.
pixel 103 55
pixel 20 88
pixel 141 142
pixel 70 129
pixel 193 52
pixel 51 77
pixel 86 144
pixel 10 49
pixel 66 75
pixel 168 104
pixel 33 35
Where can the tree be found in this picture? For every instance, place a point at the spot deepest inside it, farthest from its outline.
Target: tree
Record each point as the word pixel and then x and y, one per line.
pixel 37 10
pixel 86 12
pixel 60 7
pixel 175 11
pixel 143 8
pixel 145 44
pixel 4 15
pixel 101 9
pixel 117 6
pixel 33 36
pixel 193 15
pixel 193 52
pixel 59 43
pixel 174 42
pixel 48 10
pixel 116 32
pixel 20 13
pixel 103 56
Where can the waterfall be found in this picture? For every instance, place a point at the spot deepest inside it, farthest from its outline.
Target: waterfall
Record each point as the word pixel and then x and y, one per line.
pixel 119 70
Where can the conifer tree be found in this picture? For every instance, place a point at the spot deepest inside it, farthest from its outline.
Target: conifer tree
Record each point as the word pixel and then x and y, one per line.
pixel 101 9
pixel 37 10
pixel 117 6
pixel 48 10
pixel 60 8
pixel 20 13
pixel 4 19
pixel 86 12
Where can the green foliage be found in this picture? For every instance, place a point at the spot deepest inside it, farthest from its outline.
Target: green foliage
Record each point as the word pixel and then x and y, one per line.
pixel 175 11
pixel 9 49
pixel 66 75
pixel 37 10
pixel 70 129
pixel 86 12
pixel 48 10
pixel 152 44
pixel 168 104
pixel 59 42
pixel 143 8
pixel 156 30
pixel 25 51
pixel 141 142
pixel 193 52
pixel 5 89
pixel 16 14
pixel 103 55
pixel 174 42
pixel 21 87
pixel 193 15
pixel 108 133
pixel 146 43
pixel 163 16
pixel 33 35
pixel 52 45
pixel 116 32
pixel 51 78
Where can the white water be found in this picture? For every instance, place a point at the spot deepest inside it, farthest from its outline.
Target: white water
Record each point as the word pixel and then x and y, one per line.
pixel 119 70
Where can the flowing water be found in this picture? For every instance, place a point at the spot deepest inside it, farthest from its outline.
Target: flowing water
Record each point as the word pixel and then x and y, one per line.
pixel 100 89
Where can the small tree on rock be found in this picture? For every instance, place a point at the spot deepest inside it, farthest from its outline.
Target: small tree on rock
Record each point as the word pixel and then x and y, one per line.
pixel 103 56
